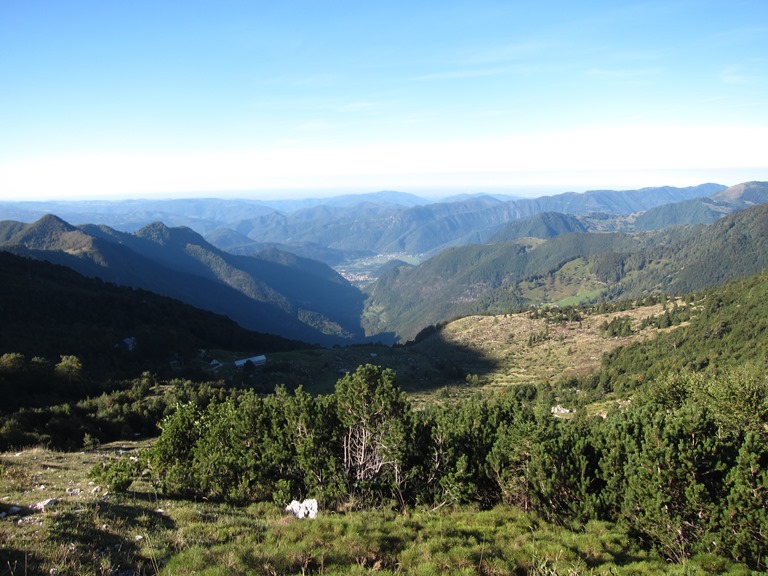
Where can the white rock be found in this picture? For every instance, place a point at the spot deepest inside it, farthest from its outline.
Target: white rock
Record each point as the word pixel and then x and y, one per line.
pixel 306 509
pixel 294 508
pixel 40 506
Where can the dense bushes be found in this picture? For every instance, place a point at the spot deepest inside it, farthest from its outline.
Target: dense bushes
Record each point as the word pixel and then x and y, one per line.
pixel 684 467
pixel 133 408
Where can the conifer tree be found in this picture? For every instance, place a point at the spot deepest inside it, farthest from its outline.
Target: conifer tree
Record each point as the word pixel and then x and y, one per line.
pixel 375 416
pixel 744 524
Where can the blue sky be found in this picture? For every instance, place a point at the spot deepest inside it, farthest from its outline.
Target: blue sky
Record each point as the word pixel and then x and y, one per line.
pixel 164 98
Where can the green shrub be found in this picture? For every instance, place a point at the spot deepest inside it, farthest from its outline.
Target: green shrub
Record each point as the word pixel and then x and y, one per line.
pixel 117 475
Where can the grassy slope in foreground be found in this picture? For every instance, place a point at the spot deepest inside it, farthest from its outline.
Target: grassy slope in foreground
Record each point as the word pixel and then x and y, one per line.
pixel 91 531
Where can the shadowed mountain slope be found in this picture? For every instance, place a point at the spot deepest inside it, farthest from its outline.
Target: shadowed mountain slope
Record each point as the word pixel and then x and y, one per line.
pixel 49 310
pixel 271 292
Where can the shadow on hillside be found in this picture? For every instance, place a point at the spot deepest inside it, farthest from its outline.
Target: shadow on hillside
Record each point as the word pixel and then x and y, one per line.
pixel 435 363
pixel 430 365
pixel 86 538
pixel 99 531
pixel 16 561
pixel 383 338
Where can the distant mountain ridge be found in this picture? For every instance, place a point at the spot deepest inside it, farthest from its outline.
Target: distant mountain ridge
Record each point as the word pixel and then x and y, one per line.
pixel 381 222
pixel 273 292
pixel 429 228
pixel 696 210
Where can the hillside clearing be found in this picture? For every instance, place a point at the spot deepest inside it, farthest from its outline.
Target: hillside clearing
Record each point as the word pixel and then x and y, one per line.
pixel 526 350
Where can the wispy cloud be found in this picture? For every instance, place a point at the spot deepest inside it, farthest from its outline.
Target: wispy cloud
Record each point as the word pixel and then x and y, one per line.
pixel 461 73
pixel 316 125
pixel 362 107
pixel 623 74
pixel 509 52
pixel 744 74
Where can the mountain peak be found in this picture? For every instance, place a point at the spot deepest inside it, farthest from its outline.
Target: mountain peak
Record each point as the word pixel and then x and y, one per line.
pixel 50 223
pixel 47 232
pixel 747 192
pixel 161 234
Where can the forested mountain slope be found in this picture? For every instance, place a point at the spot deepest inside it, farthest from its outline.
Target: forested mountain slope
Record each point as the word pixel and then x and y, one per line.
pixel 728 330
pixel 733 247
pixel 576 267
pixel 544 225
pixel 485 279
pixel 273 292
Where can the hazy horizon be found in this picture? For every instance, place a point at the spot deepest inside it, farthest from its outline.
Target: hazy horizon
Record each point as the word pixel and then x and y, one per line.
pixel 426 193
pixel 104 100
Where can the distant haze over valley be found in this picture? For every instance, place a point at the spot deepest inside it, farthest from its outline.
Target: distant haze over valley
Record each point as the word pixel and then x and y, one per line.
pixel 200 211
pixel 383 266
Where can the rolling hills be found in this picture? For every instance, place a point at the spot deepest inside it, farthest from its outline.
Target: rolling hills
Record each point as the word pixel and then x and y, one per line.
pixel 429 228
